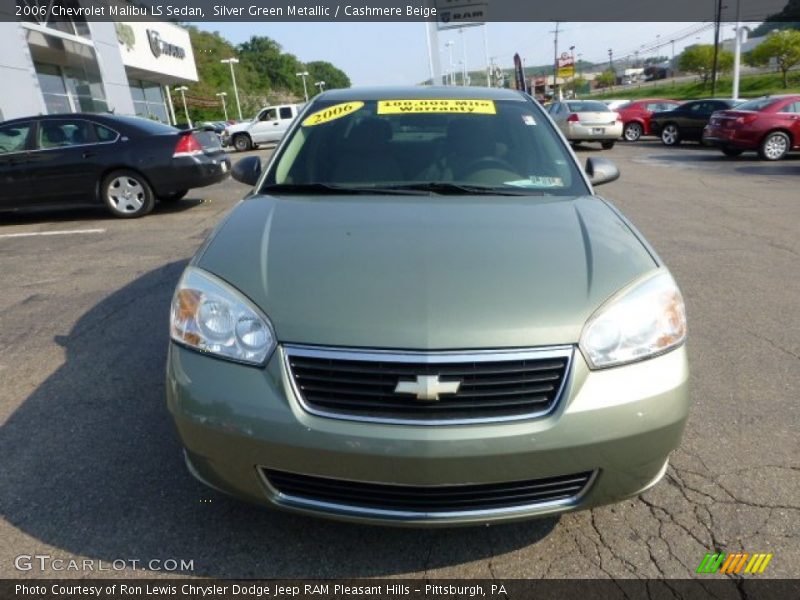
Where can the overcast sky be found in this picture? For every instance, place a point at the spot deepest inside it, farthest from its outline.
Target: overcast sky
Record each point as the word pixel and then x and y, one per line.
pixel 396 53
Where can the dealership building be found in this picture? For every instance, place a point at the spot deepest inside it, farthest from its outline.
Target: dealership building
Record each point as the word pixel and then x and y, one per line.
pixel 79 66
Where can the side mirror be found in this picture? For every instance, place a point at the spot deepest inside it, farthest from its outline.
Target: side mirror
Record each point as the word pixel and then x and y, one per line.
pixel 601 170
pixel 247 170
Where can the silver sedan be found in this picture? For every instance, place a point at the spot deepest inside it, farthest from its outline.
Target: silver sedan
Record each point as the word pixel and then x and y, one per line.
pixel 587 121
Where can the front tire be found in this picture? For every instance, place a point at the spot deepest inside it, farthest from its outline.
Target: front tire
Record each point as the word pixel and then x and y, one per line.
pixel 775 146
pixel 608 145
pixel 671 135
pixel 127 194
pixel 242 142
pixel 632 132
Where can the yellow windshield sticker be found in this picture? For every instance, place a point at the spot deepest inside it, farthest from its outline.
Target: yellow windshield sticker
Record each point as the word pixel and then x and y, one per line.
pixel 337 111
pixel 399 107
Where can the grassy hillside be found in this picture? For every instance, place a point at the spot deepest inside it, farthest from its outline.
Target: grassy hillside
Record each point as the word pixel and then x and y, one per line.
pixel 751 86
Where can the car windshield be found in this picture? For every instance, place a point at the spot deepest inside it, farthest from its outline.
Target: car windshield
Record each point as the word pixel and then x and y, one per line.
pixel 757 104
pixel 456 146
pixel 589 106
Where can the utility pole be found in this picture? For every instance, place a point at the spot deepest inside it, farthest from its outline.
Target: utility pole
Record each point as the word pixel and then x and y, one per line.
pixel 555 57
pixel 717 19
pixel 610 59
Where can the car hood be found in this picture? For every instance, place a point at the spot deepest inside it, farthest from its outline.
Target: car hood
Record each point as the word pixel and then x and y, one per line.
pixel 231 129
pixel 426 272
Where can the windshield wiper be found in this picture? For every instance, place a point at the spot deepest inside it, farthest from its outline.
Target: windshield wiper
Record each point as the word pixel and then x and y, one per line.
pixel 445 188
pixel 332 189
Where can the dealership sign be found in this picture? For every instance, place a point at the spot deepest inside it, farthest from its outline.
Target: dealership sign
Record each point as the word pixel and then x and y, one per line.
pixel 159 47
pixel 453 14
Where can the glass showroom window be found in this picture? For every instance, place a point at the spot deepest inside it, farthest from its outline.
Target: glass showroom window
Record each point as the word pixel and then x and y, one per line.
pixel 148 100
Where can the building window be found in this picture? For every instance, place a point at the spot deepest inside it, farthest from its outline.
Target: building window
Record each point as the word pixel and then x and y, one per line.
pixel 71 89
pixel 148 100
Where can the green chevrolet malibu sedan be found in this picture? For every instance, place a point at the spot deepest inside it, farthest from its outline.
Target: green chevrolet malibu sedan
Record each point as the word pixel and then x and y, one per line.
pixel 422 314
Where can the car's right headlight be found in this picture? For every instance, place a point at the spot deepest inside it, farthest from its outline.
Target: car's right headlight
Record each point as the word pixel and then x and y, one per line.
pixel 210 316
pixel 643 320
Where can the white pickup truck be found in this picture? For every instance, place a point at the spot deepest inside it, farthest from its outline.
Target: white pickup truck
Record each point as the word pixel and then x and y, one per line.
pixel 267 127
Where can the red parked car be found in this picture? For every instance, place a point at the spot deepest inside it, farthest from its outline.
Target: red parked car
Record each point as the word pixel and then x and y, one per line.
pixel 770 126
pixel 636 116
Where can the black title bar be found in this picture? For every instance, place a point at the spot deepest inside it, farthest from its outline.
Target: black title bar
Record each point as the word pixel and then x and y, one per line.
pixel 441 11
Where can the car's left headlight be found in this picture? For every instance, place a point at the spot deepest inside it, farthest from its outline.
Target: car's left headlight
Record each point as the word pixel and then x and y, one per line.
pixel 212 317
pixel 643 320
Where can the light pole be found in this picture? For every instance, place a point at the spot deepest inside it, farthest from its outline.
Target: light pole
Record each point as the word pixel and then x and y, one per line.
pixel 182 89
pixel 737 51
pixel 464 50
pixel 221 96
pixel 231 62
pixel 449 44
pixel 672 64
pixel 320 85
pixel 572 56
pixel 304 74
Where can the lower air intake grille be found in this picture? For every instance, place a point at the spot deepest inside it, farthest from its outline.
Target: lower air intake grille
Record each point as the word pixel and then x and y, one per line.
pixel 367 497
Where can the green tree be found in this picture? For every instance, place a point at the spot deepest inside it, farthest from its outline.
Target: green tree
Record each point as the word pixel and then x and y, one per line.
pixel 783 46
pixel 276 70
pixel 606 79
pixel 699 59
pixel 320 70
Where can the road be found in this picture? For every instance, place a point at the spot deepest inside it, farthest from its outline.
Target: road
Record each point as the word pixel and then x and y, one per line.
pixel 92 469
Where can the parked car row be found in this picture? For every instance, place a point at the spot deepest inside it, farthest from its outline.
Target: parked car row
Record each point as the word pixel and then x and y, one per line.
pixel 769 126
pixel 125 163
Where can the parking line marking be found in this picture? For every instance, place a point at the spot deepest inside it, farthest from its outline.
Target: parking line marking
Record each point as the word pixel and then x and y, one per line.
pixel 61 232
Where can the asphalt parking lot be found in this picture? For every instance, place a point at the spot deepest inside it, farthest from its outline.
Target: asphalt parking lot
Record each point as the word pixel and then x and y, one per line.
pixel 91 467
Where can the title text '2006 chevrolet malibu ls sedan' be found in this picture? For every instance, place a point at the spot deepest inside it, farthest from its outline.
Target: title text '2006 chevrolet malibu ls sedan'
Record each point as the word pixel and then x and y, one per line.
pixel 423 315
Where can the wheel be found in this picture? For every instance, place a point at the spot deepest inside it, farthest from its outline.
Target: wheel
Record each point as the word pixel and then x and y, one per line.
pixel 242 142
pixel 127 194
pixel 608 145
pixel 775 146
pixel 732 152
pixel 671 135
pixel 174 196
pixel 632 132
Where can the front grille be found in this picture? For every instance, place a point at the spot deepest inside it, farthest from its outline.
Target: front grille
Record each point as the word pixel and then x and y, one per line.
pixel 492 385
pixel 365 497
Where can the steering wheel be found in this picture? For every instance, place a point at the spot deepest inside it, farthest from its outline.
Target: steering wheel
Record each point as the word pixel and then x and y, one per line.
pixel 489 162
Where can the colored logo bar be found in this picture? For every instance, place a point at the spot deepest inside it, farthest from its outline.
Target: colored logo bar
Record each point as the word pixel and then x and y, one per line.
pixel 734 564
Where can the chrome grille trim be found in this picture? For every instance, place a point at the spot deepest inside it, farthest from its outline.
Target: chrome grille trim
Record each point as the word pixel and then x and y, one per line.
pixel 367 512
pixel 564 353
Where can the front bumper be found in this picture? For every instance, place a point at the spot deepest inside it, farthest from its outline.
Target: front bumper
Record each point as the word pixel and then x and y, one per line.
pixel 620 424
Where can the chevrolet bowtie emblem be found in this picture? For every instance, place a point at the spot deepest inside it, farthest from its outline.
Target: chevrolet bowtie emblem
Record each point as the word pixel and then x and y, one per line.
pixel 427 387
